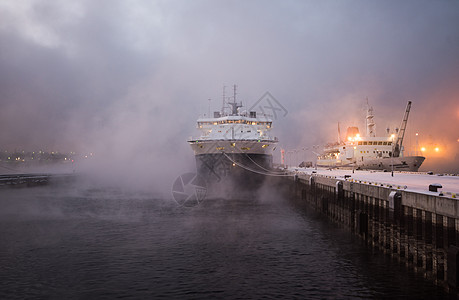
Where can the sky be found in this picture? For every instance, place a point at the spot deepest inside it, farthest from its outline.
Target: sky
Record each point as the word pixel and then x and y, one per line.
pixel 127 80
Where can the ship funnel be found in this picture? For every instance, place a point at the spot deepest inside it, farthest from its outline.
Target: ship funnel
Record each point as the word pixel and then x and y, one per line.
pixel 352 132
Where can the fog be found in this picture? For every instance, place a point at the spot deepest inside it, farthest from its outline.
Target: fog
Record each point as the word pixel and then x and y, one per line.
pixel 126 80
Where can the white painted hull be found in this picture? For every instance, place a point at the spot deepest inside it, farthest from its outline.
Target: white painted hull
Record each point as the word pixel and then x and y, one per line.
pixel 408 163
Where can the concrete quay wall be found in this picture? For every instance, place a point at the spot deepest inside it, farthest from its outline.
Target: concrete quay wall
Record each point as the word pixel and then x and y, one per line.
pixel 420 230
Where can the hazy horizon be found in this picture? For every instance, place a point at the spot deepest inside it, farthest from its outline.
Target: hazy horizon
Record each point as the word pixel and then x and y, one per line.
pixel 128 79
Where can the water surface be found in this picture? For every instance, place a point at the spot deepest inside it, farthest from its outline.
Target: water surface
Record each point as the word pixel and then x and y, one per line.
pixel 83 242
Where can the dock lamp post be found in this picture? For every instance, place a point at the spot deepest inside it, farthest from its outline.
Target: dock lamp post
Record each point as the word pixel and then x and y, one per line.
pixel 392 154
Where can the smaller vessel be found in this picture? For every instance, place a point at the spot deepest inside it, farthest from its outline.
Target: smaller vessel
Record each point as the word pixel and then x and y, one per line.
pixel 371 152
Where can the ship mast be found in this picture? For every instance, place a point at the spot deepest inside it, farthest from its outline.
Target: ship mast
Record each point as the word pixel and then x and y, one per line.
pixel 234 104
pixel 223 101
pixel 371 126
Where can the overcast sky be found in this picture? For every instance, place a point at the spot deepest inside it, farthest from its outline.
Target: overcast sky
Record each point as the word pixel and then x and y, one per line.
pixel 129 78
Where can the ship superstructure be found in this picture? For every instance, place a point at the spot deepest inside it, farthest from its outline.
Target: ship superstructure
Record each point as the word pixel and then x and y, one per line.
pixel 370 151
pixel 234 143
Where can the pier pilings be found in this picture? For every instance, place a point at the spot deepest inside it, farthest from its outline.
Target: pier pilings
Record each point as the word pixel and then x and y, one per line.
pixel 420 230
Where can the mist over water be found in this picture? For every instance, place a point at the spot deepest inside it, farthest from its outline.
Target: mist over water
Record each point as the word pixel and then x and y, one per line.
pixel 127 80
pixel 84 241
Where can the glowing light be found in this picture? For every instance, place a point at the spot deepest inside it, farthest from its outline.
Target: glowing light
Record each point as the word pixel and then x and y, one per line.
pixel 423 148
pixel 437 149
pixel 234 164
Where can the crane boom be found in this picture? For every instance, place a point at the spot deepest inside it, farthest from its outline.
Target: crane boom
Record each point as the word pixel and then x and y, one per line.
pixel 401 133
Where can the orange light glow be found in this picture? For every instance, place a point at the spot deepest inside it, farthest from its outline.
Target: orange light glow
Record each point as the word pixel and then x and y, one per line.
pixel 437 149
pixel 423 148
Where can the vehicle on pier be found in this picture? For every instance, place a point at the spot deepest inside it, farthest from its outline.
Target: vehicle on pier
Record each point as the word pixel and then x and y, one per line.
pixel 371 152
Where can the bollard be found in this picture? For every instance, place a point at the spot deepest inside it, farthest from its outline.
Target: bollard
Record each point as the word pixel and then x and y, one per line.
pixel 434 187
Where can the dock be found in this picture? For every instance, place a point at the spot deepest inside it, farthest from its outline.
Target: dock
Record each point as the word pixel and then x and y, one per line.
pixel 412 217
pixel 30 180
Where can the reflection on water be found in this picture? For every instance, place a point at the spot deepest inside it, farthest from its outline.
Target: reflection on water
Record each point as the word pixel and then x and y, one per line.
pixel 81 242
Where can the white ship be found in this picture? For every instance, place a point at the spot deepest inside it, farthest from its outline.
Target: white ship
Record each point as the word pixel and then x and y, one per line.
pixel 370 151
pixel 234 144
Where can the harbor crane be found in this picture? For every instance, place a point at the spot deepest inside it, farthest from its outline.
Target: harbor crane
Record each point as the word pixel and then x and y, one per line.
pixel 397 147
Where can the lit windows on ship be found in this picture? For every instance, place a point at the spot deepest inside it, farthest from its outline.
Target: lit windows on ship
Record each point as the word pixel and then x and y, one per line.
pixel 374 143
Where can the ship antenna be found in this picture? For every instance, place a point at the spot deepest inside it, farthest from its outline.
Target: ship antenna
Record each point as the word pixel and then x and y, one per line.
pixel 209 108
pixel 223 101
pixel 339 134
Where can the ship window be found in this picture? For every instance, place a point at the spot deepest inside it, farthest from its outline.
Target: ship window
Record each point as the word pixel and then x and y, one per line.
pixel 264 146
pixel 370 143
pixel 220 148
pixel 249 130
pixel 379 143
pixel 364 143
pixel 245 148
pixel 360 143
pixel 233 144
pixel 389 143
pixel 384 143
pixel 254 123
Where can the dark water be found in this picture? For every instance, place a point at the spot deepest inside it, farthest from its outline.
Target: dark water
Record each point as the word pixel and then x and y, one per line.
pixel 87 243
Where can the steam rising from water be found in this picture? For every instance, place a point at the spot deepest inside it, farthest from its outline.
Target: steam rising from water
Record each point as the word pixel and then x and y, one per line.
pixel 127 80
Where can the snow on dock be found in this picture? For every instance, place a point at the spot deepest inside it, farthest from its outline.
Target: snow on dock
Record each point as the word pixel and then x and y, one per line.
pixel 414 181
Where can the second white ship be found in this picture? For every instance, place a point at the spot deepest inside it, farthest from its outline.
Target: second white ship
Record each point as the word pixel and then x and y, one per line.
pixel 370 151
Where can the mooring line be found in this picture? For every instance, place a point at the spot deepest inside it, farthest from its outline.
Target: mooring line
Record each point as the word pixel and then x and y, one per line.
pixel 254 171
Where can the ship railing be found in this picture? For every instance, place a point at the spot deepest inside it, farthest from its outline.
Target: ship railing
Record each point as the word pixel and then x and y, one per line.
pixel 207 139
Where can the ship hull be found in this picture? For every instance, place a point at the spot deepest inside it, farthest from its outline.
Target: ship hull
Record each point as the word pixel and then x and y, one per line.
pixel 408 163
pixel 243 170
pixel 232 165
